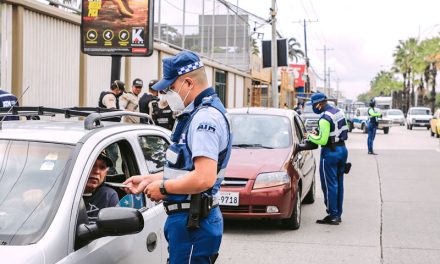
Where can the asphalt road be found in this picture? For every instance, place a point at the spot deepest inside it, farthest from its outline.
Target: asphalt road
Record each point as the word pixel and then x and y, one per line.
pixel 391 211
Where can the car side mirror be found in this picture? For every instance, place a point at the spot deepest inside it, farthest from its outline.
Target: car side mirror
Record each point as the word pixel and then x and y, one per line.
pixel 112 221
pixel 306 145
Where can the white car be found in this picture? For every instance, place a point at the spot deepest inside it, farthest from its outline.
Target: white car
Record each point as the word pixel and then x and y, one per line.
pixel 396 116
pixel 418 117
pixel 44 168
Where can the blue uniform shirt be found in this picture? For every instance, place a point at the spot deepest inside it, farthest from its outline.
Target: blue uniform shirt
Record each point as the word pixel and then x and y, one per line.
pixel 207 133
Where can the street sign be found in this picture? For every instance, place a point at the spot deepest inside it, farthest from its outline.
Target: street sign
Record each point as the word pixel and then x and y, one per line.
pixel 118 27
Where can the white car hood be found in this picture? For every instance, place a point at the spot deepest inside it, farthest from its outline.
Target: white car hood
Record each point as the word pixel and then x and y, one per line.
pixel 30 254
pixel 424 117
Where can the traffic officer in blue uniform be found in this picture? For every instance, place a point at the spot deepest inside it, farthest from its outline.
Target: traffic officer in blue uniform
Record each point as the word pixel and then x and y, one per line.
pixel 373 115
pixel 8 100
pixel 196 162
pixel 331 136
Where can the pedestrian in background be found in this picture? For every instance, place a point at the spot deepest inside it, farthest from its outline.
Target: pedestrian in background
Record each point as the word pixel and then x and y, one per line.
pixel 153 104
pixel 8 100
pixel 332 134
pixel 130 101
pixel 372 124
pixel 110 99
pixel 196 161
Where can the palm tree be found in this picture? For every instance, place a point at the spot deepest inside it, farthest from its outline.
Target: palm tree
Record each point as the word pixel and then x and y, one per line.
pixel 403 63
pixel 294 49
pixel 431 55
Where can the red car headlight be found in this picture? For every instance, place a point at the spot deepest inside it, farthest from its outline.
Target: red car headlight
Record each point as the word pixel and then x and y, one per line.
pixel 271 179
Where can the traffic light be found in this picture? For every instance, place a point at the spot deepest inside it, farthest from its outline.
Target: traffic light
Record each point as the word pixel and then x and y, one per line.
pixel 281 53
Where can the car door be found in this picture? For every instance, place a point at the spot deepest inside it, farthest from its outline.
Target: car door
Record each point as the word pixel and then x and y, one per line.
pixel 153 148
pixel 307 160
pixel 143 247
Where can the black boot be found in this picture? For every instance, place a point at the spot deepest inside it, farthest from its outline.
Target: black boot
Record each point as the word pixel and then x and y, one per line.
pixel 329 220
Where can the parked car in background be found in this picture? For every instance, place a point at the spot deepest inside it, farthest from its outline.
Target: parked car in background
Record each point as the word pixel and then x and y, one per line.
pixel 271 171
pixel 360 121
pixel 45 167
pixel 418 117
pixel 396 116
pixel 435 124
pixel 310 118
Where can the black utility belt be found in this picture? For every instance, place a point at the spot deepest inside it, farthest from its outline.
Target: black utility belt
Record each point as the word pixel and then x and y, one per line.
pixel 335 144
pixel 177 207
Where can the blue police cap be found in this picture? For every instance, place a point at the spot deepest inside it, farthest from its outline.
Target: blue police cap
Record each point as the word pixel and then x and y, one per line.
pixel 317 98
pixel 173 67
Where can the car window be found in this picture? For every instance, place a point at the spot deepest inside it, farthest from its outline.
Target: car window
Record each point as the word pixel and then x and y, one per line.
pixel 260 131
pixel 394 112
pixel 420 112
pixel 31 178
pixel 153 148
pixel 299 129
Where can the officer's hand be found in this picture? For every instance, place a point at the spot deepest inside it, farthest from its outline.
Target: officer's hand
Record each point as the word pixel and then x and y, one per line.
pixel 153 191
pixel 136 184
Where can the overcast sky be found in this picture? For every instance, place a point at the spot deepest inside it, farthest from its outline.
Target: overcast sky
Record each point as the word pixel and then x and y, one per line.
pixel 363 34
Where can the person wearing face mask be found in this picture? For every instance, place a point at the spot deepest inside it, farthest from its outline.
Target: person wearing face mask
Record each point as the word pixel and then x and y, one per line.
pixel 154 104
pixel 196 162
pixel 332 135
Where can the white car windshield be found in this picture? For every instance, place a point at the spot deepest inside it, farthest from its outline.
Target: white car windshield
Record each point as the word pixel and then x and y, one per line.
pixel 420 112
pixel 394 112
pixel 31 176
pixel 260 131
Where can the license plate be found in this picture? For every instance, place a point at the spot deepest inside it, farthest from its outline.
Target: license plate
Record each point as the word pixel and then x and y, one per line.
pixel 229 198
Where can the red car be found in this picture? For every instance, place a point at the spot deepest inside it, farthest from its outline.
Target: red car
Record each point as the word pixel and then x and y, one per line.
pixel 271 171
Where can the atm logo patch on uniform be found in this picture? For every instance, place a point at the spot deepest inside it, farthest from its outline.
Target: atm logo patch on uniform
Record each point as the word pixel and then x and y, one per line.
pixel 206 127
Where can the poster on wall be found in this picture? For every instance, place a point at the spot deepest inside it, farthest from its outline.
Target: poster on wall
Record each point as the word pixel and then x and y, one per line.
pixel 117 27
pixel 298 71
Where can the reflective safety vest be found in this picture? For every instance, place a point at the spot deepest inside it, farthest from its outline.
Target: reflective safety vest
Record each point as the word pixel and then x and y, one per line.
pixel 338 124
pixel 372 119
pixel 179 156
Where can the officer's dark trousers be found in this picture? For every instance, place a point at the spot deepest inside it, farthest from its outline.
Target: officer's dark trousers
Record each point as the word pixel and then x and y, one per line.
pixel 193 246
pixel 331 170
pixel 371 135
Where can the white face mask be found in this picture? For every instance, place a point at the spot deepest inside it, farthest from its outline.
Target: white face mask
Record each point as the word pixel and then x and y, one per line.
pixel 174 101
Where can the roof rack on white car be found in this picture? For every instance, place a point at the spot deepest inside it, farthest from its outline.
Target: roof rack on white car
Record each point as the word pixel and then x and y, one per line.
pixel 94 115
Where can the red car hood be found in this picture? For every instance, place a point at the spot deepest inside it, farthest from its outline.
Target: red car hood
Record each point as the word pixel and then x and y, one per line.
pixel 247 163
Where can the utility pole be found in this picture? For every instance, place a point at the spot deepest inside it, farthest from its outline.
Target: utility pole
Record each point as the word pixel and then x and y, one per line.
pixel 330 92
pixel 325 65
pixel 307 84
pixel 274 56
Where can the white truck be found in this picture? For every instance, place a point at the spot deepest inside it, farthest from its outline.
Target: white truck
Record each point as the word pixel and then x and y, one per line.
pixel 384 102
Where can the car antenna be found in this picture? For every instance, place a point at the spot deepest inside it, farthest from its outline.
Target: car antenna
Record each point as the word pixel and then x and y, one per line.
pixel 12 106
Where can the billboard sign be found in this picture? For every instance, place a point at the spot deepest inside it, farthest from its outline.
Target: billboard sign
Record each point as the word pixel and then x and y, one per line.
pixel 117 27
pixel 298 71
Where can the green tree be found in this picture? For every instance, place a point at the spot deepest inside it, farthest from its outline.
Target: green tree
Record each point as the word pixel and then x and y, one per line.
pixel 384 83
pixel 254 47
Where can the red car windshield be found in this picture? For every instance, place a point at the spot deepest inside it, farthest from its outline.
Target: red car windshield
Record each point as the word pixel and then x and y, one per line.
pixel 260 131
